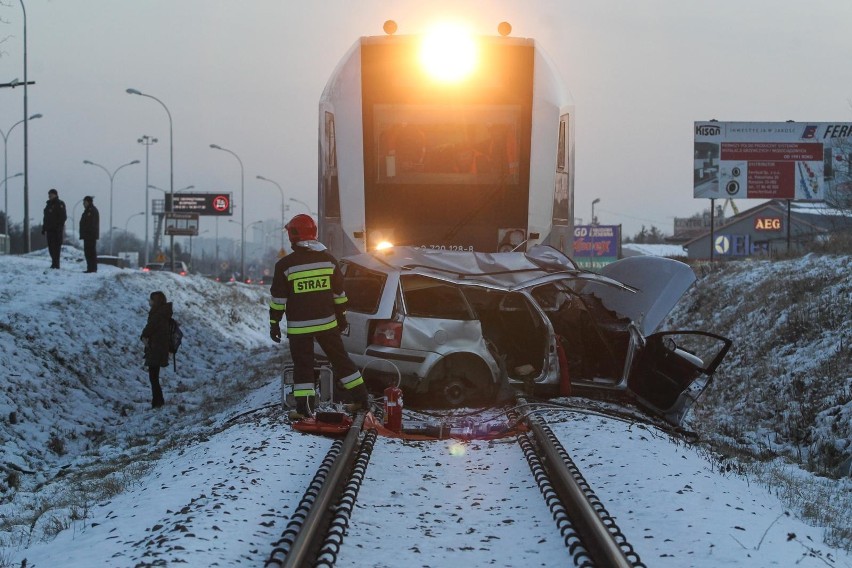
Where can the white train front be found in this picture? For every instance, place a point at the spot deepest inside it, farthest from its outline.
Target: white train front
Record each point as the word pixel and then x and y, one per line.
pixel 445 141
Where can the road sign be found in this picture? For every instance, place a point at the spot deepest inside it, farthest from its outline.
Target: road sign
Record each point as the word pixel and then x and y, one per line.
pixel 181 224
pixel 216 204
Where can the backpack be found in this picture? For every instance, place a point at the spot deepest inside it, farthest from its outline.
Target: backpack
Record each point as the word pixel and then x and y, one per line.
pixel 175 339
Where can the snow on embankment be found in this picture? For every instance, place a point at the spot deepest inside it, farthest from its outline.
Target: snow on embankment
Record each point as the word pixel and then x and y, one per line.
pixel 71 357
pixel 785 389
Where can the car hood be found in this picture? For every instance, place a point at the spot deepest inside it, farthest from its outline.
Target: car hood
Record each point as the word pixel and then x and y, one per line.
pixel 659 284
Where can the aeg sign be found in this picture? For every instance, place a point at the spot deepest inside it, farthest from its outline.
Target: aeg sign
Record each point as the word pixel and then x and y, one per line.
pixel 767 223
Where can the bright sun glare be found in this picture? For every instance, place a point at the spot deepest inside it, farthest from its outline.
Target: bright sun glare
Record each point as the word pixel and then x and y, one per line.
pixel 448 53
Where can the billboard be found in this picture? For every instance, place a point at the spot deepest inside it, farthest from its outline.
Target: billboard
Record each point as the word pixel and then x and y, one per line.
pixel 772 160
pixel 596 245
pixel 200 203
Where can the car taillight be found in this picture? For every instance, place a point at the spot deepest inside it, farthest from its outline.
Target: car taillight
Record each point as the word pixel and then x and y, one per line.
pixel 387 334
pixel 146 269
pixel 182 273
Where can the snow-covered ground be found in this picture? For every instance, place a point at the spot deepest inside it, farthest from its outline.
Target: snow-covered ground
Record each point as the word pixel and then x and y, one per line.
pixel 211 478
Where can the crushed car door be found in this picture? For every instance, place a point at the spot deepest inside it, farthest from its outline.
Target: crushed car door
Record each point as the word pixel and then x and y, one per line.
pixel 673 369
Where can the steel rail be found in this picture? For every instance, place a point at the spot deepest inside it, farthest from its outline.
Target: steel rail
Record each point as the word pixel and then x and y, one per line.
pixel 313 527
pixel 597 538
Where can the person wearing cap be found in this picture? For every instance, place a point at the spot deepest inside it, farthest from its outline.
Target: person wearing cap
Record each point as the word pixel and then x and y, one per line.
pixel 53 225
pixel 90 232
pixel 307 286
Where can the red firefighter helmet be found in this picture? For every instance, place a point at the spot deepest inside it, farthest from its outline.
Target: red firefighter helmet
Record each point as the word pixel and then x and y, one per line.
pixel 301 228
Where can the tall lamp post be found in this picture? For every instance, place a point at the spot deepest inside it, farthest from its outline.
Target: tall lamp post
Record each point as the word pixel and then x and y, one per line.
pixel 308 207
pixel 592 230
pixel 6 210
pixel 147 141
pixel 171 161
pixel 128 221
pixel 111 179
pixel 282 206
pixel 242 211
pixel 6 167
pixel 27 238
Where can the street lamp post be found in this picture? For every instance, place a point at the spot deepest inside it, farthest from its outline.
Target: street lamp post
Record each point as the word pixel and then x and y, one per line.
pixel 308 207
pixel 74 216
pixel 242 210
pixel 171 161
pixel 147 141
pixel 6 168
pixel 592 230
pixel 283 222
pixel 111 179
pixel 128 222
pixel 27 238
pixel 6 210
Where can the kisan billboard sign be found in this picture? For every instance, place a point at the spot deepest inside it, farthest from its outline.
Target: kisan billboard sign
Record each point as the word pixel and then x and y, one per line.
pixel 772 160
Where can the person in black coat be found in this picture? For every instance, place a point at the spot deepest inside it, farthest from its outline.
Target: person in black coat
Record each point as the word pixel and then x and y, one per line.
pixel 155 336
pixel 90 232
pixel 53 225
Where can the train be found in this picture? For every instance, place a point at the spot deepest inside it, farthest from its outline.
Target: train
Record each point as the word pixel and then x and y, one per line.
pixel 446 141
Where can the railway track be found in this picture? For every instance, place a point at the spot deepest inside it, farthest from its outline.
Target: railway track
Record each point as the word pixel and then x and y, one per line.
pixel 317 528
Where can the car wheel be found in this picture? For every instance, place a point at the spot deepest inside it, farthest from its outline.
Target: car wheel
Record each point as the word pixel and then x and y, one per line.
pixel 461 380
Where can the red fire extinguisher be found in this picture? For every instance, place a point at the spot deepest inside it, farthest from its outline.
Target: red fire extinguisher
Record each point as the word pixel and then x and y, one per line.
pixel 393 408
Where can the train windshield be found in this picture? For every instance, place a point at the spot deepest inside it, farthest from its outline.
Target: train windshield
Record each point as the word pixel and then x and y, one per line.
pixel 446 144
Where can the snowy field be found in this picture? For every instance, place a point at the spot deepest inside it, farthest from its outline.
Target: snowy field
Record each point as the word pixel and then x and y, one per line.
pixel 210 479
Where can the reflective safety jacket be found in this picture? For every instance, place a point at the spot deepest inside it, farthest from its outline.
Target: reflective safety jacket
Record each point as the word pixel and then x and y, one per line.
pixel 308 286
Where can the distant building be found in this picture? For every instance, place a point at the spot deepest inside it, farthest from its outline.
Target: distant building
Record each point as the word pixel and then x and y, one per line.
pixel 761 232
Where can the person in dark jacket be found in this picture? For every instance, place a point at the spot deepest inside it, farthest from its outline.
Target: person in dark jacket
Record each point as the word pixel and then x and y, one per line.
pixel 156 339
pixel 90 232
pixel 308 286
pixel 53 225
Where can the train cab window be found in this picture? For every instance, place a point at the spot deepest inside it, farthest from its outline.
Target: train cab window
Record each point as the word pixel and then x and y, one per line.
pixel 423 144
pixel 330 187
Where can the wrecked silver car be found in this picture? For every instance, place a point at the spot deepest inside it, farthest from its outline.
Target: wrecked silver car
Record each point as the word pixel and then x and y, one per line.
pixel 455 327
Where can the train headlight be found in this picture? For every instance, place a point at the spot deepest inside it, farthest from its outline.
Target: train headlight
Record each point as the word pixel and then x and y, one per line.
pixel 448 53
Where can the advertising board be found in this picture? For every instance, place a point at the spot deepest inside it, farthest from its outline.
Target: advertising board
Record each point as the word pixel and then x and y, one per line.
pixel 596 245
pixel 772 160
pixel 215 204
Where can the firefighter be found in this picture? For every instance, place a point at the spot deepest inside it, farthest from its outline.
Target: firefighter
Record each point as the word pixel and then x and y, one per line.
pixel 307 285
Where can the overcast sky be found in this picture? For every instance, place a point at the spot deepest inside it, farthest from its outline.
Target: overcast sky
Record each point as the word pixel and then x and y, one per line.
pixel 248 75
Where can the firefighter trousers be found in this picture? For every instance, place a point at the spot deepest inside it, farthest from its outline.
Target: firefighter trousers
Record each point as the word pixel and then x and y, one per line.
pixel 345 370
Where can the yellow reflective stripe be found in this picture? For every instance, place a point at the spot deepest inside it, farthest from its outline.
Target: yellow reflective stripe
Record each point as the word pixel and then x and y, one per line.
pixel 275 306
pixel 353 384
pixel 311 328
pixel 273 322
pixel 341 300
pixel 310 273
pixel 304 392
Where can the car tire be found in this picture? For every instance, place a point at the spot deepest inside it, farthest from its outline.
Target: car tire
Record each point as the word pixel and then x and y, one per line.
pixel 461 380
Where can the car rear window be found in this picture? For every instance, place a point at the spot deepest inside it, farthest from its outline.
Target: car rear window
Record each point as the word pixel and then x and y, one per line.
pixel 363 288
pixel 430 298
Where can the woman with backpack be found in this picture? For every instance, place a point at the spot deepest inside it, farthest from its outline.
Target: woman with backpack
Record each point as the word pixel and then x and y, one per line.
pixel 155 336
